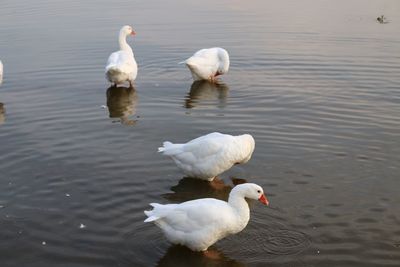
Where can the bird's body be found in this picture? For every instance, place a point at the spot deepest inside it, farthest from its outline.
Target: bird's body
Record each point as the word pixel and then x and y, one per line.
pixel 207 156
pixel 200 223
pixel 121 65
pixel 208 64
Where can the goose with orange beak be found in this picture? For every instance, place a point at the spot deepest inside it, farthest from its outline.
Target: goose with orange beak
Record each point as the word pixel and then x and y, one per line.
pixel 200 223
pixel 121 65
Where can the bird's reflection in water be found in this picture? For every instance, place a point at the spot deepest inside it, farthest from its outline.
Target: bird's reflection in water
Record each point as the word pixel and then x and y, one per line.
pixel 191 188
pixel 180 256
pixel 203 92
pixel 2 113
pixel 121 103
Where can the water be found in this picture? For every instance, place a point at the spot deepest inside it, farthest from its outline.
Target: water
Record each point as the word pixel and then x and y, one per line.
pixel 315 82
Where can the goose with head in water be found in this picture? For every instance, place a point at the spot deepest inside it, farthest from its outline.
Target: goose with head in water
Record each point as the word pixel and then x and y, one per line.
pixel 208 64
pixel 210 155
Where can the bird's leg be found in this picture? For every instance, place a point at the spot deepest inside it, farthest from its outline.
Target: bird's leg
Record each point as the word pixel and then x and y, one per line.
pixel 212 254
pixel 217 183
pixel 214 78
pixel 130 84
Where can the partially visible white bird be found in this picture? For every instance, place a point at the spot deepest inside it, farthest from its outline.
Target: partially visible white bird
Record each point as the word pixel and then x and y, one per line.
pixel 208 64
pixel 121 65
pixel 1 72
pixel 200 223
pixel 207 156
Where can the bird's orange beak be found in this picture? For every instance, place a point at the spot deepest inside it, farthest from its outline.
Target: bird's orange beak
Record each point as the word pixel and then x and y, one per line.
pixel 133 33
pixel 264 200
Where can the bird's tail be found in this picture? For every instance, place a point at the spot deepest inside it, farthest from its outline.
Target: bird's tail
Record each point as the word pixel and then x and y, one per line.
pixel 165 146
pixel 154 214
pixel 170 149
pixel 112 69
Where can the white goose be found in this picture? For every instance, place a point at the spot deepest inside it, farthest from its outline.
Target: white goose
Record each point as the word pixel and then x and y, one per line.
pixel 207 156
pixel 200 223
pixel 208 64
pixel 121 65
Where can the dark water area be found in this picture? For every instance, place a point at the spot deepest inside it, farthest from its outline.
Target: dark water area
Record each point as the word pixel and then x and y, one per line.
pixel 317 83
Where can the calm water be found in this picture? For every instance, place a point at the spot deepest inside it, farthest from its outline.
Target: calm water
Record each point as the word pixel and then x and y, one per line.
pixel 317 83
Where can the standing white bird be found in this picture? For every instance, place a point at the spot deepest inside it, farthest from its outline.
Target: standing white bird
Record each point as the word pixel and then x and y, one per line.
pixel 200 223
pixel 207 156
pixel 1 72
pixel 208 64
pixel 121 65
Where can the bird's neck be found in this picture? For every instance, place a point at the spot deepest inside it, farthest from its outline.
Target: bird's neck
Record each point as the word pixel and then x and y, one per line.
pixel 241 208
pixel 123 45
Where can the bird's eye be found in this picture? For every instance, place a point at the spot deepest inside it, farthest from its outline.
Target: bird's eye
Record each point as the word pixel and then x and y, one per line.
pixel 258 191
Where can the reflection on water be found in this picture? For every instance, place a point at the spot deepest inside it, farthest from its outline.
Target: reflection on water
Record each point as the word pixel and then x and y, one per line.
pixel 192 188
pixel 2 113
pixel 178 256
pixel 121 102
pixel 203 93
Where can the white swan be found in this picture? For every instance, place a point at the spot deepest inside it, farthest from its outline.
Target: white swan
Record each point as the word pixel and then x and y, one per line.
pixel 208 64
pixel 207 156
pixel 121 65
pixel 200 223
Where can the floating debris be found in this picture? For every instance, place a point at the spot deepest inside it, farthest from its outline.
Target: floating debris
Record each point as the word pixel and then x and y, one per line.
pixel 382 19
pixel 82 226
pixel 44 243
pixel 67 195
pixel 103 106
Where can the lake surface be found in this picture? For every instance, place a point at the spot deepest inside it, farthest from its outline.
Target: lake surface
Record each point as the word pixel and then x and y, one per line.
pixel 317 83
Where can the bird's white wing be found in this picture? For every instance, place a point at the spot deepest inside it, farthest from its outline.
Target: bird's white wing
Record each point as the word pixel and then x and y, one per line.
pixel 206 53
pixel 121 60
pixel 202 149
pixel 207 58
pixel 207 137
pixel 197 214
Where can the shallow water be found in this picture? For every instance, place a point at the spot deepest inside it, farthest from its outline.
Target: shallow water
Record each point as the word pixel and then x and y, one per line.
pixel 315 82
